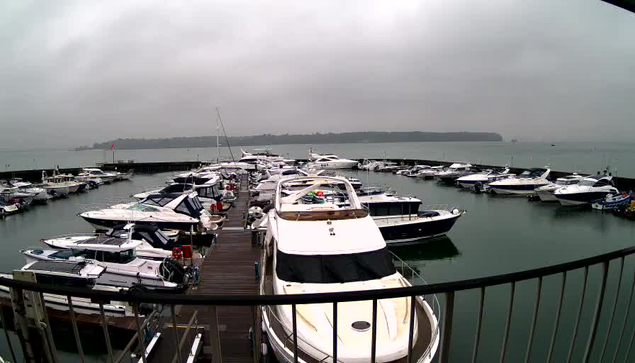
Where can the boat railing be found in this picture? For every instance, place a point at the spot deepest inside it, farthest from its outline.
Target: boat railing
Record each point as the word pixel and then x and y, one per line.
pixel 416 279
pixel 441 206
pixel 594 325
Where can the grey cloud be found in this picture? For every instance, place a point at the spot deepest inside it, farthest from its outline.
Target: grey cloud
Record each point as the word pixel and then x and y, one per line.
pixel 76 72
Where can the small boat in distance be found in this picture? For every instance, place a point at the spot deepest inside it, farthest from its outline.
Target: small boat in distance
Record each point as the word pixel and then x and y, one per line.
pixel 524 184
pixel 545 193
pixel 330 161
pixel 588 190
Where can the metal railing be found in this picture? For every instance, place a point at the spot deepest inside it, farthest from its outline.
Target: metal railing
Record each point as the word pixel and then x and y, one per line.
pixel 593 342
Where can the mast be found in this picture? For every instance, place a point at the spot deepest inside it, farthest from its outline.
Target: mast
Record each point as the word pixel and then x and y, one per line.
pixel 218 137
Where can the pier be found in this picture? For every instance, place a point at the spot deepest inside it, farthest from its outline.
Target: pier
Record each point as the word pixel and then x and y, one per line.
pixel 228 270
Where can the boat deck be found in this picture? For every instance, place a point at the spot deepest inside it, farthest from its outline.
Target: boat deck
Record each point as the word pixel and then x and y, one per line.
pixel 228 270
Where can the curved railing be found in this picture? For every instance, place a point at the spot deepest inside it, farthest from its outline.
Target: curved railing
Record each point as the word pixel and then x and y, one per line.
pixel 447 288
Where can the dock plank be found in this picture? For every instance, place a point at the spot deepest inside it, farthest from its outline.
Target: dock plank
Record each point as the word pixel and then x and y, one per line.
pixel 228 270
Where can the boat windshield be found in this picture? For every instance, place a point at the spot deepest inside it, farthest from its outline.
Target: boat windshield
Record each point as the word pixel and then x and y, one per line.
pixel 587 182
pixel 332 269
pixel 142 208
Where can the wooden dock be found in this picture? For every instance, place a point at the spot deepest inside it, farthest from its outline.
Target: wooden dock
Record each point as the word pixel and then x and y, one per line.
pixel 229 269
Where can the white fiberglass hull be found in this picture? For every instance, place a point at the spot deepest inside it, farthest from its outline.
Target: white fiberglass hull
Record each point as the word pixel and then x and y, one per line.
pixel 335 165
pixel 122 275
pixel 546 196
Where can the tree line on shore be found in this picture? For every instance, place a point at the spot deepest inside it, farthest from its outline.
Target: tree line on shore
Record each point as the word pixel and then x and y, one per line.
pixel 316 138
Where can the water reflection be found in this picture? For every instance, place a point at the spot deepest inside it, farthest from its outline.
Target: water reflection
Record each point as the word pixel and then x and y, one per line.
pixel 440 248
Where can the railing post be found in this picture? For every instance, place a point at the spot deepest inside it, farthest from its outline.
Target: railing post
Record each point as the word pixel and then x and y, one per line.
pixel 257 324
pixel 617 297
pixel 6 334
pixel 557 319
pixel 78 341
pixel 598 312
pixel 295 332
pixel 214 336
pixel 104 324
pixel 176 334
pixel 411 330
pixel 532 331
pixel 335 339
pixel 22 324
pixel 140 336
pixel 446 337
pixel 373 342
pixel 479 324
pixel 577 321
pixel 628 313
pixel 508 323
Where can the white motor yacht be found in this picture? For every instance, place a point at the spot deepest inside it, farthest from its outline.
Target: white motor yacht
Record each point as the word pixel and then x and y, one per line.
pixel 545 193
pixel 331 161
pixel 481 180
pixel 54 188
pixel 39 194
pixel 334 247
pixel 122 267
pixel 431 172
pixel 153 243
pixel 75 274
pixel 455 171
pixel 184 212
pixel 400 220
pixel 106 177
pixel 588 190
pixel 524 184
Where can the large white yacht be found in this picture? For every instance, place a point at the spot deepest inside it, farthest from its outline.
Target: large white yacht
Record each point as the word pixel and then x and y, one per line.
pixel 524 184
pixel 545 193
pixel 153 243
pixel 400 220
pixel 335 246
pixel 183 212
pixel 455 171
pixel 589 189
pixel 91 173
pixel 481 180
pixel 122 266
pixel 330 161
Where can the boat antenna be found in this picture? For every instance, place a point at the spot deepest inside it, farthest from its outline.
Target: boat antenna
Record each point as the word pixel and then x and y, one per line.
pixel 225 133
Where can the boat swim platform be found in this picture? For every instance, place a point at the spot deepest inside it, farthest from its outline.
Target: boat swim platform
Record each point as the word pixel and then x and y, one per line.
pixel 228 270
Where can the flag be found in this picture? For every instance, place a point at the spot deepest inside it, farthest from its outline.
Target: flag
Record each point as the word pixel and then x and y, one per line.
pixel 112 146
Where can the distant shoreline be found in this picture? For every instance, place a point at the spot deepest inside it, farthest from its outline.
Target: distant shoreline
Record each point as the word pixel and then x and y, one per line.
pixel 287 139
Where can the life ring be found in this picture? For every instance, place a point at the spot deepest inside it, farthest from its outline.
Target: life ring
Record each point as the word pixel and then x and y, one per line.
pixel 228 187
pixel 177 253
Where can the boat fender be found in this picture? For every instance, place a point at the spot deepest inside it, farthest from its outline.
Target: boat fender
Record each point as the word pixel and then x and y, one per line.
pixel 197 275
pixel 177 253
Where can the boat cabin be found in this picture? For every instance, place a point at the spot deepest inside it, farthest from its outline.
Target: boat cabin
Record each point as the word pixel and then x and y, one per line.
pixel 187 204
pixel 65 273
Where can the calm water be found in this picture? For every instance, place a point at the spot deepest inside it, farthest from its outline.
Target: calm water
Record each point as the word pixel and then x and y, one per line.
pixel 585 157
pixel 497 235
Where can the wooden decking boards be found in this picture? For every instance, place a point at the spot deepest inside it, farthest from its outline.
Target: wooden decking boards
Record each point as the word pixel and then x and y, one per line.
pixel 228 270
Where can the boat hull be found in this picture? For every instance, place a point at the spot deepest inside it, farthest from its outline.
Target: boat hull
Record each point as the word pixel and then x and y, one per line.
pixel 105 224
pixel 570 199
pixel 515 189
pixel 404 231
pixel 546 196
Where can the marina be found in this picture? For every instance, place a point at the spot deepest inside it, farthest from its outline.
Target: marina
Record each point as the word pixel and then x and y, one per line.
pixel 542 233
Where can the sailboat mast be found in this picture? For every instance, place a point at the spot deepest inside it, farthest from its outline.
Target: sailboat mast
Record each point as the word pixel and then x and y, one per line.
pixel 218 137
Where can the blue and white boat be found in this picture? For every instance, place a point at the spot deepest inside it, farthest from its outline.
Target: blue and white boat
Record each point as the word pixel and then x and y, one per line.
pixel 612 202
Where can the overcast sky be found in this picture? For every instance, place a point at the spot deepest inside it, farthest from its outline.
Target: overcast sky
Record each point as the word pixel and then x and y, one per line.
pixel 78 72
